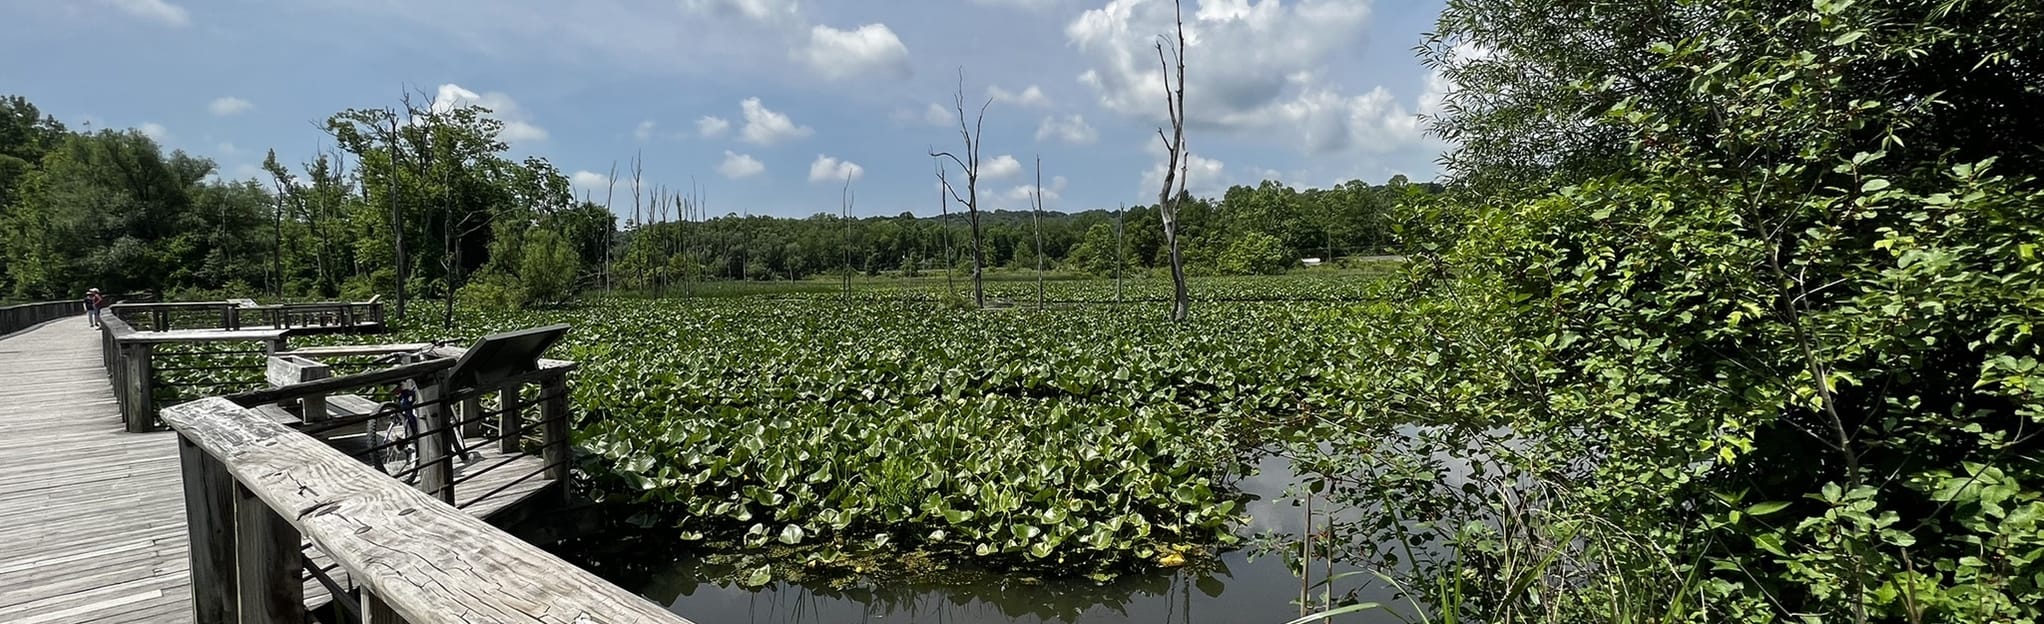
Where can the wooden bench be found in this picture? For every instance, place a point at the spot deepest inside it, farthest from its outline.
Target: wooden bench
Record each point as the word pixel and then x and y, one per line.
pixel 286 370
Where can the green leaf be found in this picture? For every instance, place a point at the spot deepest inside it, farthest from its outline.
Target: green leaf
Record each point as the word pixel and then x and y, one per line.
pixel 1848 37
pixel 1762 509
pixel 1770 543
pixel 759 576
pixel 792 534
pixel 1360 606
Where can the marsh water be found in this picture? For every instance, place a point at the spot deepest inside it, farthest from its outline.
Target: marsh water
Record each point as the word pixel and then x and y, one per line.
pixel 1236 588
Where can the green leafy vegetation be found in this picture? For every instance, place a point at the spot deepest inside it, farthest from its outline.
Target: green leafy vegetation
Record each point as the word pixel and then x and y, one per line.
pixel 1083 440
pixel 1730 319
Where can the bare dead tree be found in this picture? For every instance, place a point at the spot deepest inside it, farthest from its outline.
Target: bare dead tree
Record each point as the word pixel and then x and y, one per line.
pixel 1036 219
pixel 1177 167
pixel 638 215
pixel 609 249
pixel 847 217
pixel 970 164
pixel 1118 208
pixel 397 219
pixel 944 225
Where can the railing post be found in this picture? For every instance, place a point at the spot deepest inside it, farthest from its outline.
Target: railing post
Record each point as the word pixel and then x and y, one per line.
pixel 137 404
pixel 209 516
pixel 376 611
pixel 267 561
pixel 472 417
pixel 553 416
pixel 436 469
pixel 510 421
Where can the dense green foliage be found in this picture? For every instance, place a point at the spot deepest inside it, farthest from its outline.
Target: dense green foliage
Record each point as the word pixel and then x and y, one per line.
pixel 1082 440
pixel 431 194
pixel 1749 337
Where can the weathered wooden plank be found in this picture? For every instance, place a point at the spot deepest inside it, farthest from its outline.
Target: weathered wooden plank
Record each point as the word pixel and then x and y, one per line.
pixel 429 562
pixel 288 369
pixel 329 385
pixel 553 416
pixel 357 350
pixel 248 334
pixel 266 562
pixel 376 611
pixel 209 513
pixel 511 419
pixel 136 401
pixel 436 466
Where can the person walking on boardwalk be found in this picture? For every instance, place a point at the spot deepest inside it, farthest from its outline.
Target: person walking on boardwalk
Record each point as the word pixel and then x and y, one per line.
pixel 93 302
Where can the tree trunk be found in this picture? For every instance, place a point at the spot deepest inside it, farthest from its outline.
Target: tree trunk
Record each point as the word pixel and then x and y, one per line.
pixel 397 229
pixel 1036 219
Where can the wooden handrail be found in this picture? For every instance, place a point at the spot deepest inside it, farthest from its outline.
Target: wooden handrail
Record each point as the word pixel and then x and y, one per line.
pixel 330 385
pixel 23 316
pixel 254 486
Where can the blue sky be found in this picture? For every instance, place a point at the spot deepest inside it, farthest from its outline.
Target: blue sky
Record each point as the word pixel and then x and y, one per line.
pixel 766 103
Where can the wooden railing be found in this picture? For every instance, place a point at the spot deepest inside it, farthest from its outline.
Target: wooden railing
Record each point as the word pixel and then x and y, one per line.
pixel 130 332
pixel 255 490
pixel 15 318
pixel 231 315
pixel 277 513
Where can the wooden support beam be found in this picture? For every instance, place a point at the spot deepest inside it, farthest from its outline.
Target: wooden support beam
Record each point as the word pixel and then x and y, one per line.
pixel 436 469
pixel 553 416
pixel 376 611
pixel 267 563
pixel 209 518
pixel 138 409
pixel 511 421
pixel 472 417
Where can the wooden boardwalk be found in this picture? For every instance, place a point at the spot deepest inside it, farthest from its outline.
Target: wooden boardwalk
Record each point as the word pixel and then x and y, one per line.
pixel 92 519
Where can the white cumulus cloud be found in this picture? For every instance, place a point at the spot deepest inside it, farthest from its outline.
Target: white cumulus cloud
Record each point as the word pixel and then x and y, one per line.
pixel 1001 166
pixel 1258 71
pixel 738 165
pixel 229 106
pixel 872 49
pixel 712 126
pixel 1071 129
pixel 764 126
pixel 1019 196
pixel 937 115
pixel 1030 97
pixel 830 169
pixel 644 132
pixel 1203 176
pixel 518 127
pixel 154 10
pixel 155 131
pixel 768 11
pixel 589 181
pixel 1027 5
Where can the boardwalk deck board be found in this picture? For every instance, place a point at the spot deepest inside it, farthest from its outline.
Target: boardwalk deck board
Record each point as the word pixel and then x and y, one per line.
pixel 92 518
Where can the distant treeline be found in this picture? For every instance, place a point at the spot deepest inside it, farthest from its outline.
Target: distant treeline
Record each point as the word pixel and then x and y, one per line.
pixel 433 196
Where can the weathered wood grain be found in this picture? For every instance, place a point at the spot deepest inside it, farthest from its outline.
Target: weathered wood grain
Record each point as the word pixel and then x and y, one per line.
pixel 92 528
pixel 430 562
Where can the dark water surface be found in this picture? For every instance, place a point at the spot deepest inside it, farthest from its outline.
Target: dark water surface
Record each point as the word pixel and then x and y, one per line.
pixel 1234 589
